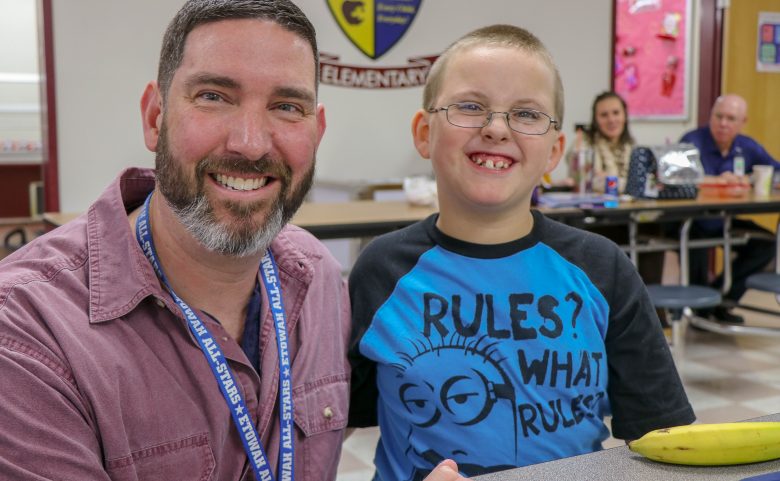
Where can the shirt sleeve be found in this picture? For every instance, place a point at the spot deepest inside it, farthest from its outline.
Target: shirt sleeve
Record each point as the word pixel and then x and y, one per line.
pixel 688 138
pixel 644 388
pixel 46 428
pixel 762 157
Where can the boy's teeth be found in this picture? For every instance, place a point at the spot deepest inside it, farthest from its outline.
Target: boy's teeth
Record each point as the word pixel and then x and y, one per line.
pixel 490 164
pixel 238 183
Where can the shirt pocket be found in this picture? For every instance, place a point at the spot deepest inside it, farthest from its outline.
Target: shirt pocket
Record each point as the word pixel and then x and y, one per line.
pixel 187 459
pixel 321 416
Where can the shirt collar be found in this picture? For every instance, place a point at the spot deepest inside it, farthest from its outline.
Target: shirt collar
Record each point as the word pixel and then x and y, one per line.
pixel 119 274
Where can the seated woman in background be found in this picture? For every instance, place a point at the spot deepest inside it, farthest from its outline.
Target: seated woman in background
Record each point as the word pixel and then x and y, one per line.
pixel 608 138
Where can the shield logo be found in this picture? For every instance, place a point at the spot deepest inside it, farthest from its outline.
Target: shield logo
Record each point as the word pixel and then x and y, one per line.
pixel 374 26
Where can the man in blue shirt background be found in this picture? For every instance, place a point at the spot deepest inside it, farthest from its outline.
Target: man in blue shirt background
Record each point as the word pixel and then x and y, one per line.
pixel 728 157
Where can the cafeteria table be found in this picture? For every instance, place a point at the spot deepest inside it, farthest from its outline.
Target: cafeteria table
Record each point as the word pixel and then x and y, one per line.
pixel 622 464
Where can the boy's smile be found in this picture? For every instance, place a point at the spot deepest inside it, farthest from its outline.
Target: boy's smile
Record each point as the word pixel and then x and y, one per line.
pixel 491 161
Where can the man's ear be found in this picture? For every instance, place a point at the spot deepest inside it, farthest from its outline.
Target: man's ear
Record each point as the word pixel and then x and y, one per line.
pixel 320 123
pixel 421 132
pixel 557 152
pixel 151 115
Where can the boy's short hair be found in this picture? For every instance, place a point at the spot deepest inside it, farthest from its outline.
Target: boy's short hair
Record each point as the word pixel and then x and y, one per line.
pixel 499 36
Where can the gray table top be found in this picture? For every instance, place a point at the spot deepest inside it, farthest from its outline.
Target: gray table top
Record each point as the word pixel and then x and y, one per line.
pixel 621 464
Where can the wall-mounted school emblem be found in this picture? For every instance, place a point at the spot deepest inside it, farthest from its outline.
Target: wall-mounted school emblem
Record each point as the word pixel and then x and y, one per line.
pixel 374 26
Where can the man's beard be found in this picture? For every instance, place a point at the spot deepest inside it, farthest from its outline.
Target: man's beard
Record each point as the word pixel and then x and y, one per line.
pixel 241 235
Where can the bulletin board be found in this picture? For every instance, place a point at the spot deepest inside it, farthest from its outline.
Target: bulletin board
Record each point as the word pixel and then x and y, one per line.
pixel 768 55
pixel 651 58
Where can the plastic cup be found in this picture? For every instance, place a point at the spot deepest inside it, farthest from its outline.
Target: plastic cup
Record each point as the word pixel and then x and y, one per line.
pixel 762 180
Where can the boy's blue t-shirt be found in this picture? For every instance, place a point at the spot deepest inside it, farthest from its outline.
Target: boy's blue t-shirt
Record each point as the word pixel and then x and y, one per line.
pixel 496 356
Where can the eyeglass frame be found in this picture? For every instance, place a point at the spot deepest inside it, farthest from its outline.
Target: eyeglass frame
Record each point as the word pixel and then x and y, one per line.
pixel 489 118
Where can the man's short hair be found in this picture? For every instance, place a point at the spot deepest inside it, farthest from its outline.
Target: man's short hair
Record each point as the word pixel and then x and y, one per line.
pixel 198 12
pixel 497 36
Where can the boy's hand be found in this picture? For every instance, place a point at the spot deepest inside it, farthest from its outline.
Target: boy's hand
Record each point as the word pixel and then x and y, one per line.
pixel 447 470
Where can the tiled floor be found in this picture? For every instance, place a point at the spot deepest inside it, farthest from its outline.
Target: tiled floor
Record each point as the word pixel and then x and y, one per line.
pixel 727 378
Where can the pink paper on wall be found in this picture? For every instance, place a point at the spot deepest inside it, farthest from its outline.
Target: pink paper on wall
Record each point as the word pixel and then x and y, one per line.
pixel 651 57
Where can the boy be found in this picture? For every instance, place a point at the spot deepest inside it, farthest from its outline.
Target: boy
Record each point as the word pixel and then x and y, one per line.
pixel 489 334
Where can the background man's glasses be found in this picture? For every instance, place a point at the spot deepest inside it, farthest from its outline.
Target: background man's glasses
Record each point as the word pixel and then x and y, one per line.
pixel 472 115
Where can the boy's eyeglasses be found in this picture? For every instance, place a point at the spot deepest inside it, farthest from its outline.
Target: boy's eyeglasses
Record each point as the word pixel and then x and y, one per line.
pixel 471 115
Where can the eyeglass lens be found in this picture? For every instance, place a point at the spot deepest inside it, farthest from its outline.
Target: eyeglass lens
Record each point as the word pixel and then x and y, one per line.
pixel 525 121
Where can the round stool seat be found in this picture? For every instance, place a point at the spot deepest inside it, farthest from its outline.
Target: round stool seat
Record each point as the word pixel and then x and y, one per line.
pixel 679 297
pixel 764 281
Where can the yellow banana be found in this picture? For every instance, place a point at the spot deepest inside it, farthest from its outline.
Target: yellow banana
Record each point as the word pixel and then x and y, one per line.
pixel 712 444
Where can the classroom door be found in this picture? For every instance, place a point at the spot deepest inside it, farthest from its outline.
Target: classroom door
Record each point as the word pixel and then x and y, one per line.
pixel 760 89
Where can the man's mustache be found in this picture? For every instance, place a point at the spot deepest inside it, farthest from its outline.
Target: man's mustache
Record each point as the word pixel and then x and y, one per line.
pixel 264 165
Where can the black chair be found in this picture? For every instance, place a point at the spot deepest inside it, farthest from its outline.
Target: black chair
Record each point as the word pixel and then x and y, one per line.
pixel 678 301
pixel 768 281
pixel 764 281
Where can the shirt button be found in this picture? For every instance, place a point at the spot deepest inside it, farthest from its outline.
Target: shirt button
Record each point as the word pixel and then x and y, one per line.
pixel 159 302
pixel 327 413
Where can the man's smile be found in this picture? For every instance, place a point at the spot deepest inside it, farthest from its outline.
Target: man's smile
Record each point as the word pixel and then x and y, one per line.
pixel 240 183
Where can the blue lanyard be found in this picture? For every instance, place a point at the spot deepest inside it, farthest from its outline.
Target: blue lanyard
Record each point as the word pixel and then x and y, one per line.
pixel 221 369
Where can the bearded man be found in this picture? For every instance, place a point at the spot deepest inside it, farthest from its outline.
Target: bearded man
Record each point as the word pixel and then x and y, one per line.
pixel 180 329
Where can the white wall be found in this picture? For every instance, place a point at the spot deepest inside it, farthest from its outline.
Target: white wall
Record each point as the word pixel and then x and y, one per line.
pixel 19 94
pixel 106 51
